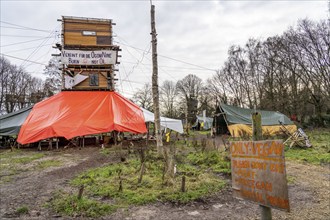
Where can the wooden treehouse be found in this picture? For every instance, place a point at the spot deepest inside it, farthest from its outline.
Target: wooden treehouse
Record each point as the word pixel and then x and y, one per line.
pixel 88 55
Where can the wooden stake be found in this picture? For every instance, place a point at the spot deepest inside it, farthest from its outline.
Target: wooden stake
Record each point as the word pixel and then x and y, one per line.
pixel 183 184
pixel 81 190
pixel 266 212
pixel 57 143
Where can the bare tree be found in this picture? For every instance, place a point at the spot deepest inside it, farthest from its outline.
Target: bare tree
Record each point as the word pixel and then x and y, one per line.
pixel 143 97
pixel 5 69
pixel 18 88
pixel 189 89
pixel 287 73
pixel 53 82
pixel 168 95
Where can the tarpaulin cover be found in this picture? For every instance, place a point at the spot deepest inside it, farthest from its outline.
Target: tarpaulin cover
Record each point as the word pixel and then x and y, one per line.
pixel 170 123
pixel 10 124
pixel 206 120
pixel 236 115
pixel 76 113
pixel 239 121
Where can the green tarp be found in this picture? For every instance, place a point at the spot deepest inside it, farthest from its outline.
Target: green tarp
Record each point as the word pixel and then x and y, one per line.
pixel 10 124
pixel 236 115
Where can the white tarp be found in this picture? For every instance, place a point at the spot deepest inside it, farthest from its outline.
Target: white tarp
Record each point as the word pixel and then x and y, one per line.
pixel 88 57
pixel 69 81
pixel 170 123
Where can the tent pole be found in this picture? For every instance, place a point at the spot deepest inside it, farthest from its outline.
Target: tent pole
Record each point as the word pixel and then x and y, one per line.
pixel 148 134
pixel 56 143
pixel 39 146
pixel 224 116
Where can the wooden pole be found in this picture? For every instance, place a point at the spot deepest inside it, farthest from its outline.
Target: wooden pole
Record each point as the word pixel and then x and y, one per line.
pixel 80 192
pixel 148 133
pixel 57 143
pixel 266 212
pixel 155 92
pixel 183 184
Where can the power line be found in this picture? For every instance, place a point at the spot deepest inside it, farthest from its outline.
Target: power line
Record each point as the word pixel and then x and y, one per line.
pixel 39 46
pixel 24 27
pixel 12 51
pixel 25 42
pixel 144 52
pixel 21 59
pixel 177 60
pixel 8 35
pixel 173 67
pixel 187 63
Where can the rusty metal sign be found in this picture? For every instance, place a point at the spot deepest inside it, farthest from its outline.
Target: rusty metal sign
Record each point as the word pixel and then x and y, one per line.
pixel 258 172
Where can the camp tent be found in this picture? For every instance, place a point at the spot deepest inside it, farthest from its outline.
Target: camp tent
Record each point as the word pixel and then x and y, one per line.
pixel 77 113
pixel 170 123
pixel 206 121
pixel 239 123
pixel 10 124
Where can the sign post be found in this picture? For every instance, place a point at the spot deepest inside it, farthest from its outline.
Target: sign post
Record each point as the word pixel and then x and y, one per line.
pixel 258 171
pixel 266 212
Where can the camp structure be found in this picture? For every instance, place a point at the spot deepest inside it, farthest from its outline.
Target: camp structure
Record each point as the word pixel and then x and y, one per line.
pixel 203 123
pixel 71 114
pixel 11 123
pixel 170 123
pixel 238 122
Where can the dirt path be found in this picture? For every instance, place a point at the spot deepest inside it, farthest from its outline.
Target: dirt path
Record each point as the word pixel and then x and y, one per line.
pixel 34 188
pixel 309 194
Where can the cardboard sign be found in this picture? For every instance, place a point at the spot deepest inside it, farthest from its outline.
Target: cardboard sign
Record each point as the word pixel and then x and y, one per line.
pixel 258 172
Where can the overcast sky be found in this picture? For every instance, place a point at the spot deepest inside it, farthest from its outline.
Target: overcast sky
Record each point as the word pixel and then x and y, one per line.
pixel 193 36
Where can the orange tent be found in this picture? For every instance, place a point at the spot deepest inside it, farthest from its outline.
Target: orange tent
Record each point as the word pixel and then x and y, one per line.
pixel 76 113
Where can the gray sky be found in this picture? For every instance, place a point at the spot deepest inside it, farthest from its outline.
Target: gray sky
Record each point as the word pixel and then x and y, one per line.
pixel 193 36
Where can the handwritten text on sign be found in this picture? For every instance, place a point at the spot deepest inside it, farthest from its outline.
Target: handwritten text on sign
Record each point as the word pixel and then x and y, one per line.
pixel 84 57
pixel 258 172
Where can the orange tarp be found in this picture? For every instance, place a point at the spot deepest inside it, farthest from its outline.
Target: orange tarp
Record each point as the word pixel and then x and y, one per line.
pixel 76 113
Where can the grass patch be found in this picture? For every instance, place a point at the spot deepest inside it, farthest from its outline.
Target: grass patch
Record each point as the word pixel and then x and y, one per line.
pixel 84 207
pixel 314 155
pixel 320 138
pixel 103 184
pixel 22 210
pixel 290 179
pixel 49 163
pixel 218 163
pixel 26 159
pixel 105 151
pixel 18 156
pixel 13 162
pixel 318 154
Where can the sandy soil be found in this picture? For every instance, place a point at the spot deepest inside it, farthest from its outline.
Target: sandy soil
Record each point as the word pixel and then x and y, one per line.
pixel 309 193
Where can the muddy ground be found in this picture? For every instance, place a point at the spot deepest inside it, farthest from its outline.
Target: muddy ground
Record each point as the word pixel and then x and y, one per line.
pixel 309 193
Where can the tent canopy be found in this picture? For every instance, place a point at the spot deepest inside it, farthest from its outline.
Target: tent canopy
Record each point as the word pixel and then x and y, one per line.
pixel 239 121
pixel 10 124
pixel 77 113
pixel 173 124
pixel 236 115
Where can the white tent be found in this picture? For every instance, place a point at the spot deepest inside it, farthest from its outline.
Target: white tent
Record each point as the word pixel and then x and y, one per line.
pixel 173 124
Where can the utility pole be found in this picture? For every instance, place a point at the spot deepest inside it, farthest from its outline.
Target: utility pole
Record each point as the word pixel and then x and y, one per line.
pixel 155 92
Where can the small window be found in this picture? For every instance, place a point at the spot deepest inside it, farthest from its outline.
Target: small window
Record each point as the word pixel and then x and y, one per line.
pixel 89 33
pixel 93 79
pixel 103 40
